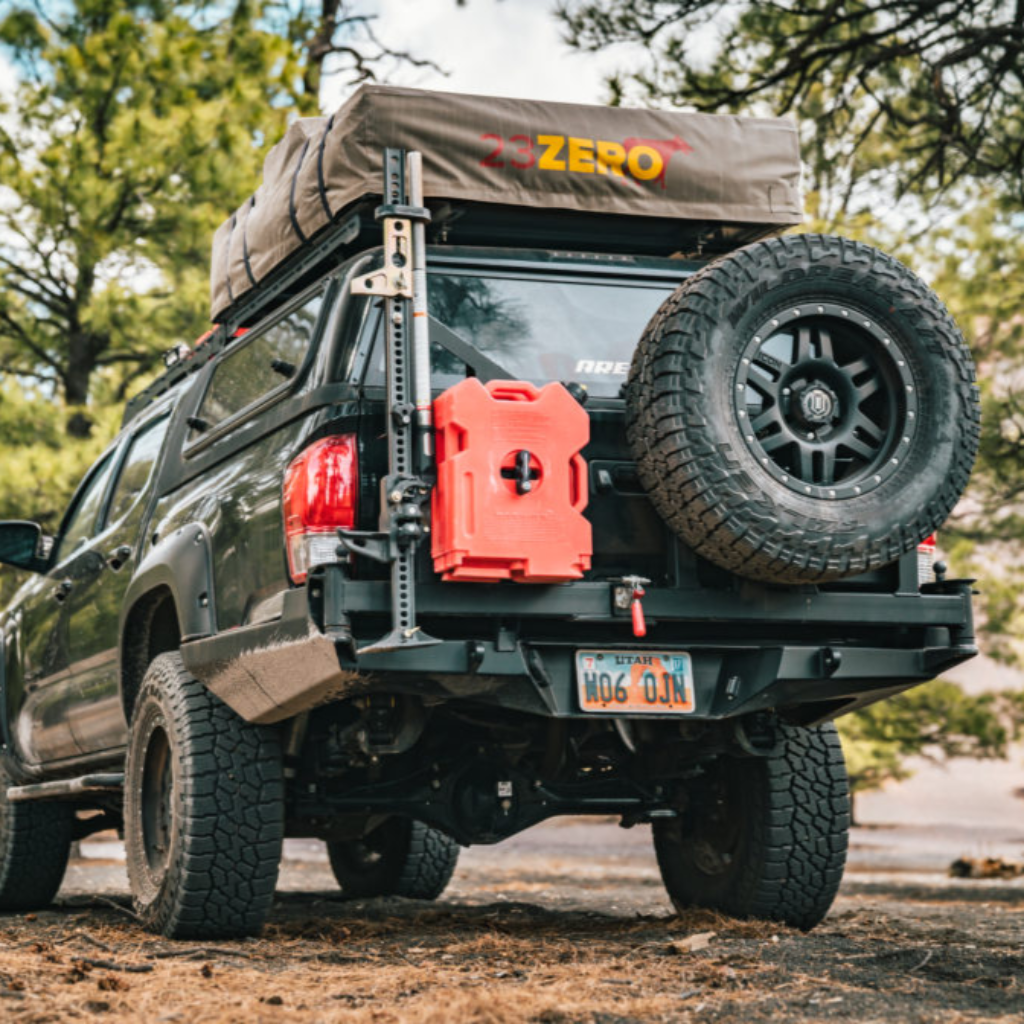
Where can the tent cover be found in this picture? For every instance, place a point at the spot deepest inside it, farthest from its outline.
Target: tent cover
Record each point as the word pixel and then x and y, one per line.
pixel 560 165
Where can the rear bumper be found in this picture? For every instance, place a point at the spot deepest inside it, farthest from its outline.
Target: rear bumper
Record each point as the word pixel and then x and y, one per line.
pixel 751 649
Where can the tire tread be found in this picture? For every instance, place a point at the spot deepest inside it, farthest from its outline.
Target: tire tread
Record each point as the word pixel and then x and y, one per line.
pixel 221 882
pixel 35 843
pixel 418 863
pixel 429 864
pixel 798 835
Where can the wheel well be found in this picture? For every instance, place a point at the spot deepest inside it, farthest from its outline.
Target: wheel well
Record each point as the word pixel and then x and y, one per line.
pixel 151 628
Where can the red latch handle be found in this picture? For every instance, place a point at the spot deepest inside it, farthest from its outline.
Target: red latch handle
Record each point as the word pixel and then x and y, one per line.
pixel 637 609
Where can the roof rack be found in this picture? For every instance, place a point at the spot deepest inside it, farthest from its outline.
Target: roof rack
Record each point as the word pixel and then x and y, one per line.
pixel 183 367
pixel 336 242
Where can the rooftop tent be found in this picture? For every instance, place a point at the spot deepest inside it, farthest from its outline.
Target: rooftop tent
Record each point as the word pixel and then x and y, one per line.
pixel 504 172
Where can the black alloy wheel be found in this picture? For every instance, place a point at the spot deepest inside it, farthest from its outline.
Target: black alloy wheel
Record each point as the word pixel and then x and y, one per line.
pixel 157 792
pixel 828 399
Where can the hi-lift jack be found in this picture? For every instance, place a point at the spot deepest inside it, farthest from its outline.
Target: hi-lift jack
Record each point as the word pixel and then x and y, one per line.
pixel 402 284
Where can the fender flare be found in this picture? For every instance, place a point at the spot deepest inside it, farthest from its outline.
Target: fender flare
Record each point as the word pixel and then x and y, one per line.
pixel 181 563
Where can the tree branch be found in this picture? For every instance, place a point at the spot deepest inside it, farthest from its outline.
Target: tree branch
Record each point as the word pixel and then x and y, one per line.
pixel 26 339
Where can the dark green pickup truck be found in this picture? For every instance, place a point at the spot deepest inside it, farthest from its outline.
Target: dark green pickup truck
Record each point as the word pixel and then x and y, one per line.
pixel 246 628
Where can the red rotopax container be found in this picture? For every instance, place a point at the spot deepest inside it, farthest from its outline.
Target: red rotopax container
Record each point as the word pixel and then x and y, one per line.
pixel 497 512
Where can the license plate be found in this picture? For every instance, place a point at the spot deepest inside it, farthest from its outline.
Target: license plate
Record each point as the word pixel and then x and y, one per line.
pixel 635 682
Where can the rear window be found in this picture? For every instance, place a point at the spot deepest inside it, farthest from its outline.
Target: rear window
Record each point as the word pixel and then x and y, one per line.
pixel 545 329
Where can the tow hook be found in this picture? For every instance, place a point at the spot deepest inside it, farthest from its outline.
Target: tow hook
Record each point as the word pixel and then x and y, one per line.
pixel 628 593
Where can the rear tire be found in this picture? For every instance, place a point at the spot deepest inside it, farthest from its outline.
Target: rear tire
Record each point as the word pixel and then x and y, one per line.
pixel 402 857
pixel 35 842
pixel 763 837
pixel 204 810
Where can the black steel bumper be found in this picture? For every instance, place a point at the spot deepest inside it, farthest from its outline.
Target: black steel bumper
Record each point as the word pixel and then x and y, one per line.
pixel 814 654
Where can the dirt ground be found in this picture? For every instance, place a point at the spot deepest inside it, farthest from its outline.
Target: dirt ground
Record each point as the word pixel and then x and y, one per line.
pixel 565 924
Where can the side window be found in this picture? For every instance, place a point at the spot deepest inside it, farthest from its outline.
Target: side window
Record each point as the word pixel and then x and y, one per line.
pixel 85 517
pixel 259 366
pixel 137 469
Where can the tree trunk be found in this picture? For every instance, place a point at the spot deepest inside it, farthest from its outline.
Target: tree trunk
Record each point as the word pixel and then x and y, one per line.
pixel 81 364
pixel 318 48
pixel 84 348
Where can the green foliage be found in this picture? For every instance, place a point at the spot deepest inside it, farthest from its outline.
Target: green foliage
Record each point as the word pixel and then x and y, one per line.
pixel 980 274
pixel 135 126
pixel 40 465
pixel 937 721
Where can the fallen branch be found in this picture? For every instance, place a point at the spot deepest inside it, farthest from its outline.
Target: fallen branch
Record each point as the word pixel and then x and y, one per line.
pixel 927 957
pixel 203 952
pixel 117 906
pixel 93 942
pixel 110 965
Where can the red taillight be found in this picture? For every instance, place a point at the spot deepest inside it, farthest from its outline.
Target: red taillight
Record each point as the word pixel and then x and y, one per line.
pixel 926 560
pixel 321 491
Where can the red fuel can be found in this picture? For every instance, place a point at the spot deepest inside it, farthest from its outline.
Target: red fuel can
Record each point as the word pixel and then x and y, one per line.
pixel 511 484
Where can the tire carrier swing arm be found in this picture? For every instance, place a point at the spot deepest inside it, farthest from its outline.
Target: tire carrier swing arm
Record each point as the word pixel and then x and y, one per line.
pixel 402 283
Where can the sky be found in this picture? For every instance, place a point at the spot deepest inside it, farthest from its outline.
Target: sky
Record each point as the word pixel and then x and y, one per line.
pixel 493 47
pixel 7 77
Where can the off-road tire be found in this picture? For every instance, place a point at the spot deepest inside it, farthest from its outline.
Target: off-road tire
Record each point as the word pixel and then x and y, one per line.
pixel 763 837
pixel 402 857
pixel 35 842
pixel 204 811
pixel 731 491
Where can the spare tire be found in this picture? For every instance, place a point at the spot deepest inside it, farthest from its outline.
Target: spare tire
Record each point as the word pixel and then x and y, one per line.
pixel 803 409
